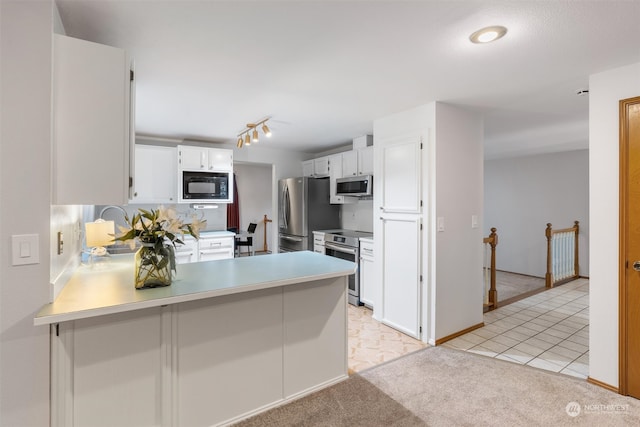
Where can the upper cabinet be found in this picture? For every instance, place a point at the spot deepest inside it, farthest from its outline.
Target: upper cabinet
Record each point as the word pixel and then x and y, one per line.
pixel 335 169
pixel 357 162
pixel 156 174
pixel 317 168
pixel 365 161
pixel 205 159
pixel 92 123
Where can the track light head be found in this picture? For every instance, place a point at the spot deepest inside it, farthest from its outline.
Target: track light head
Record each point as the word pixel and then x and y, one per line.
pixel 266 130
pixel 247 139
pixel 239 142
pixel 255 135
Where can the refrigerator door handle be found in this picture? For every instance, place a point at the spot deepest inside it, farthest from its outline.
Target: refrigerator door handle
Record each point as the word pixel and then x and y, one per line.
pixel 287 206
pixel 292 239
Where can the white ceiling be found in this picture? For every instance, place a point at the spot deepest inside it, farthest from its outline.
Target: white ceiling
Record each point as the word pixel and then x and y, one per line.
pixel 324 70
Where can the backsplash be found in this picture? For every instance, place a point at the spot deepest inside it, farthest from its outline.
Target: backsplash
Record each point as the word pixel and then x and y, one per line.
pixel 358 216
pixel 216 218
pixel 66 219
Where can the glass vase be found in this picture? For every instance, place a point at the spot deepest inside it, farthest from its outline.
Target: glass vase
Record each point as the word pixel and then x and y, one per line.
pixel 153 265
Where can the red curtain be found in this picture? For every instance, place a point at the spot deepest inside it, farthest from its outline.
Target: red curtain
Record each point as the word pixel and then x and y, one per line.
pixel 233 209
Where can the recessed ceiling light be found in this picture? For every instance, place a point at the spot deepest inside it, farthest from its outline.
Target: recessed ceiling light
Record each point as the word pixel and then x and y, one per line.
pixel 488 34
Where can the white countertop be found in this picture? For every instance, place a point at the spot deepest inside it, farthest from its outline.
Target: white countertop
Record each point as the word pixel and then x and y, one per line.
pixel 108 288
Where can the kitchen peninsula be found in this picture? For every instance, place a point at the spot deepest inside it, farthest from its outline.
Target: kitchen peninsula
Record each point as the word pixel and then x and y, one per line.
pixel 226 340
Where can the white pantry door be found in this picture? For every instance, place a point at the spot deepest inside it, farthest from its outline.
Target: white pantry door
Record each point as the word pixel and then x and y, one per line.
pixel 401 216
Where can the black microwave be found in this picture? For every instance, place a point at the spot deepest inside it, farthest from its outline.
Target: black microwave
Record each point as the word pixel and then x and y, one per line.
pixel 198 186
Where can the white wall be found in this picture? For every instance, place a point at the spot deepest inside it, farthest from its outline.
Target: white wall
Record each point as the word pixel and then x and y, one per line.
pixel 26 38
pixel 523 194
pixel 254 192
pixel 606 89
pixel 458 194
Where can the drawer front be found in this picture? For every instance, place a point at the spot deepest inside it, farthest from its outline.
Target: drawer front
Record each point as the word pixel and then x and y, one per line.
pixel 216 243
pixel 366 250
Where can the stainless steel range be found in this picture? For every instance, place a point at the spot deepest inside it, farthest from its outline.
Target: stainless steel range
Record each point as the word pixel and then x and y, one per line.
pixel 345 244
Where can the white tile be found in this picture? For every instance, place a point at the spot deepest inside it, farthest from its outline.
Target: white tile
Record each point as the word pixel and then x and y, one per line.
pixel 494 346
pixel 508 359
pixel 538 343
pixel 483 351
pixel 578 367
pixel 558 359
pixel 544 364
pixel 485 333
pixel 505 340
pixel 516 335
pixel 558 333
pixel 518 355
pixel 459 343
pixel 548 338
pixel 529 349
pixel 570 354
pixel 473 338
pixel 580 348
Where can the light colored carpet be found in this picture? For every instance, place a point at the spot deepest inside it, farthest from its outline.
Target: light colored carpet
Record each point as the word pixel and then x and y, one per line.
pixel 510 285
pixel 438 386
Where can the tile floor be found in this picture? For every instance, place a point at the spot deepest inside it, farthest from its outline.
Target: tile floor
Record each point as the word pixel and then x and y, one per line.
pixel 549 330
pixel 372 343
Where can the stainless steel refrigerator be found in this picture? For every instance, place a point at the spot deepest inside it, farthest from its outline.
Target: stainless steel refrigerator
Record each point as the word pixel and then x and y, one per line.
pixel 303 205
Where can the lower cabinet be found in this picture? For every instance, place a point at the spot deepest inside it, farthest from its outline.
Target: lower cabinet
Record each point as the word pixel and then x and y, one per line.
pixel 188 252
pixel 318 242
pixel 210 247
pixel 367 275
pixel 204 362
pixel 215 248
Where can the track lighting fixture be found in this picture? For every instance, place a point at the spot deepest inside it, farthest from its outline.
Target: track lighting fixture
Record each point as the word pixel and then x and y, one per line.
pixel 250 132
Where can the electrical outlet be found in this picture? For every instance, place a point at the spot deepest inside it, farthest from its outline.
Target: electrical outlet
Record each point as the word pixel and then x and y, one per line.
pixel 60 243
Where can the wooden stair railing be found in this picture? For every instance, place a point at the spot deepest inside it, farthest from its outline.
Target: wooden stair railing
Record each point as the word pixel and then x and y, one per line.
pixel 491 296
pixel 562 255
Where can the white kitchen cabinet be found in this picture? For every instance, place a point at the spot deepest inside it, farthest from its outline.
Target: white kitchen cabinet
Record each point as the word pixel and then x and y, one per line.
pixel 350 163
pixel 358 162
pixel 188 252
pixel 398 241
pixel 205 159
pixel 155 179
pixel 335 172
pixel 367 276
pixel 401 285
pixel 215 248
pixel 317 168
pixel 401 163
pixel 307 168
pixel 365 161
pixel 92 123
pixel 321 167
pixel 318 242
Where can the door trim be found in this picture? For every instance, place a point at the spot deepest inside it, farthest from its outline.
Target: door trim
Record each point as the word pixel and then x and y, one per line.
pixel 623 244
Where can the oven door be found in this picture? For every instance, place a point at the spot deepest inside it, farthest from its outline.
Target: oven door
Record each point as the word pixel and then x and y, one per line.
pixel 350 254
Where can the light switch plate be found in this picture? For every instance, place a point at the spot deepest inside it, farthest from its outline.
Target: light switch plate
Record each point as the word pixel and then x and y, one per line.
pixel 25 249
pixel 440 222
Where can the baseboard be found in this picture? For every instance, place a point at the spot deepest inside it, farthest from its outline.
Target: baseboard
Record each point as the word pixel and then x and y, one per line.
pixel 459 333
pixel 603 385
pixel 520 274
